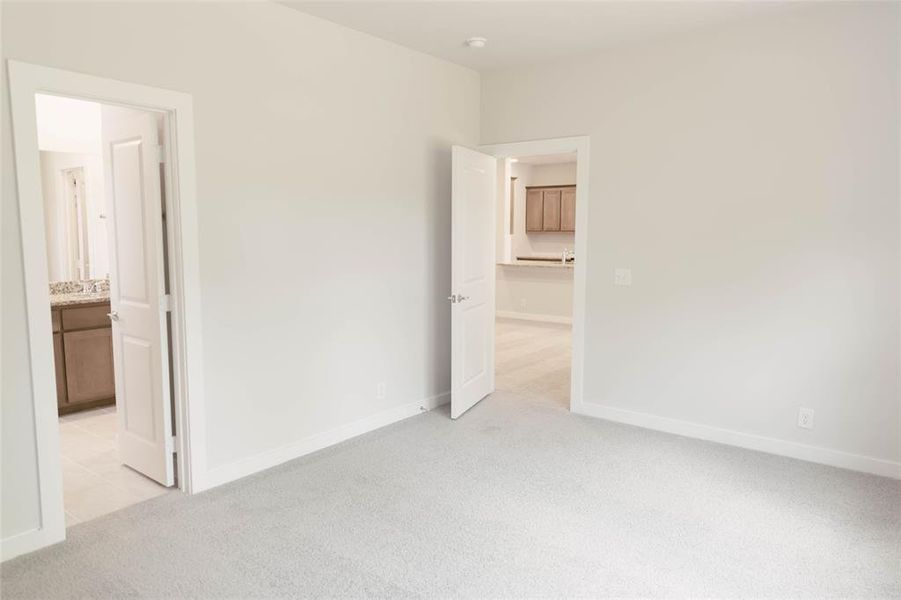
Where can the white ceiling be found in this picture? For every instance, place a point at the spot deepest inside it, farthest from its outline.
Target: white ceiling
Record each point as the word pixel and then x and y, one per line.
pixel 521 33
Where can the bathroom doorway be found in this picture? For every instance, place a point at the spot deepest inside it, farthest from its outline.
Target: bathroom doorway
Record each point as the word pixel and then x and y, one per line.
pixel 102 187
pixel 108 215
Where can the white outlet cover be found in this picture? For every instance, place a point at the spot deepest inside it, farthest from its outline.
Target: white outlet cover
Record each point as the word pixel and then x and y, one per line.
pixel 622 276
pixel 380 391
pixel 805 418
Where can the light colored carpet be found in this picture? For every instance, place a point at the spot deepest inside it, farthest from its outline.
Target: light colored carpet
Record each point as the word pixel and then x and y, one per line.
pixel 518 498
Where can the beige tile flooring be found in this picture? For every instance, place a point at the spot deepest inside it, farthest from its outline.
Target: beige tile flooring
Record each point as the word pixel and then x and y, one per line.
pixel 94 481
pixel 533 359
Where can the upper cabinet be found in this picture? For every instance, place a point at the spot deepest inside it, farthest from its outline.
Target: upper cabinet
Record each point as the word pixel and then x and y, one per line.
pixel 551 208
pixel 534 209
pixel 568 209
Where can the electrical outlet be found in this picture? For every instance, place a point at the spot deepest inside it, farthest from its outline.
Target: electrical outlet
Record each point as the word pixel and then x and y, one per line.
pixel 522 304
pixel 622 276
pixel 380 390
pixel 805 418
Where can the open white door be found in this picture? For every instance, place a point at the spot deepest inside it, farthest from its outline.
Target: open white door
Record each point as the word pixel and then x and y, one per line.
pixel 472 277
pixel 140 342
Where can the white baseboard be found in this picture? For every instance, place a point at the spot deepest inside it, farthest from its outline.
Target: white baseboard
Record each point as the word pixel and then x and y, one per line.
pixel 29 541
pixel 817 454
pixel 266 460
pixel 508 314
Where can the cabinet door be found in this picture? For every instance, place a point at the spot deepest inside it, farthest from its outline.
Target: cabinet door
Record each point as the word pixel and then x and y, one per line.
pixel 551 210
pixel 568 210
pixel 534 210
pixel 89 365
pixel 60 366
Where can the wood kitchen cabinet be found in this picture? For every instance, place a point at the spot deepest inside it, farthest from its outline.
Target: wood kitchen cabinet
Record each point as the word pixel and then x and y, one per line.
pixel 568 209
pixel 550 212
pixel 534 209
pixel 83 353
pixel 551 208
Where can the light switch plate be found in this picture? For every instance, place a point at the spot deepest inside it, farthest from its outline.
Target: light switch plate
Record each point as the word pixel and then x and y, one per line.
pixel 622 276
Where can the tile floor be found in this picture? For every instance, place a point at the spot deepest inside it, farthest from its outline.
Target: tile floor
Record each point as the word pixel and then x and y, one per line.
pixel 533 359
pixel 94 481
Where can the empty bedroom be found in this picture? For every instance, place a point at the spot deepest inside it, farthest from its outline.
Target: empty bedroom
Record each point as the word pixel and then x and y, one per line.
pixel 450 299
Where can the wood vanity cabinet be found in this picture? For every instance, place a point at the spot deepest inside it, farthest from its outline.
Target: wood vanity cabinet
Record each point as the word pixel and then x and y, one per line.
pixel 550 208
pixel 83 353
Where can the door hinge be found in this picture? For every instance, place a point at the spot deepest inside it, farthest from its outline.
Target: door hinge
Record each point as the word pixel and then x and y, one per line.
pixel 160 154
pixel 172 444
pixel 166 303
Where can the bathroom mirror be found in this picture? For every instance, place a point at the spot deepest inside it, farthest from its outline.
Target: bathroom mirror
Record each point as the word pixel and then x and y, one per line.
pixel 74 220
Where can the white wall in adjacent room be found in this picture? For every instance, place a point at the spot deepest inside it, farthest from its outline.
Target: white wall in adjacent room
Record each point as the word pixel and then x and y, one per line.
pixel 553 174
pixel 316 285
pixel 546 242
pixel 537 291
pixel 748 176
pixel 534 292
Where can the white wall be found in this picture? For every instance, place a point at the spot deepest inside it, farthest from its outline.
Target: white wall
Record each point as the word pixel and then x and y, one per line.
pixel 553 174
pixel 534 292
pixel 748 176
pixel 537 292
pixel 544 243
pixel 316 286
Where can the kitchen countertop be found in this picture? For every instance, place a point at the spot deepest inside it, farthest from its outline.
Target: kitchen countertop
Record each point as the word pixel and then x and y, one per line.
pixel 76 298
pixel 537 263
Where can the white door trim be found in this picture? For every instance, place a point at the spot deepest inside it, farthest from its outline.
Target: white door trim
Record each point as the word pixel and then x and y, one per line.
pixel 579 145
pixel 26 80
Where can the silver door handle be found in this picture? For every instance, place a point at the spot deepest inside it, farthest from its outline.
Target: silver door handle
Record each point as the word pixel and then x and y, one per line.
pixel 455 298
pixel 113 316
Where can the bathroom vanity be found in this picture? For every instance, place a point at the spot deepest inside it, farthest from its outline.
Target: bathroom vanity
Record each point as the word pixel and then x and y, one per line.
pixel 83 351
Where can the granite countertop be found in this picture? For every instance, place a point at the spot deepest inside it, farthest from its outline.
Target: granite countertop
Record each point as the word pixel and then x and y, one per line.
pixel 76 298
pixel 537 263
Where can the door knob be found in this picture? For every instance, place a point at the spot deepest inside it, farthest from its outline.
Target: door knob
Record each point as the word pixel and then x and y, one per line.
pixel 113 316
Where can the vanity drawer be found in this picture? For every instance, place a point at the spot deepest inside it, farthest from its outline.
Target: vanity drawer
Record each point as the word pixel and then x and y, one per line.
pixel 86 317
pixel 54 320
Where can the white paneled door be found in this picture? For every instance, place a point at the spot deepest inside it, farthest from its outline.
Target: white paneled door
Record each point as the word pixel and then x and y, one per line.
pixel 140 342
pixel 473 206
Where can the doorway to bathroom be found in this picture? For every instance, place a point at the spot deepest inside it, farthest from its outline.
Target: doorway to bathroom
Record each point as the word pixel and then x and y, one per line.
pixel 102 181
pixel 109 243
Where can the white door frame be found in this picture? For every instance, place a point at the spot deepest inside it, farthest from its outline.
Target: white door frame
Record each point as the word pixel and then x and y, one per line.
pixel 579 145
pixel 26 80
